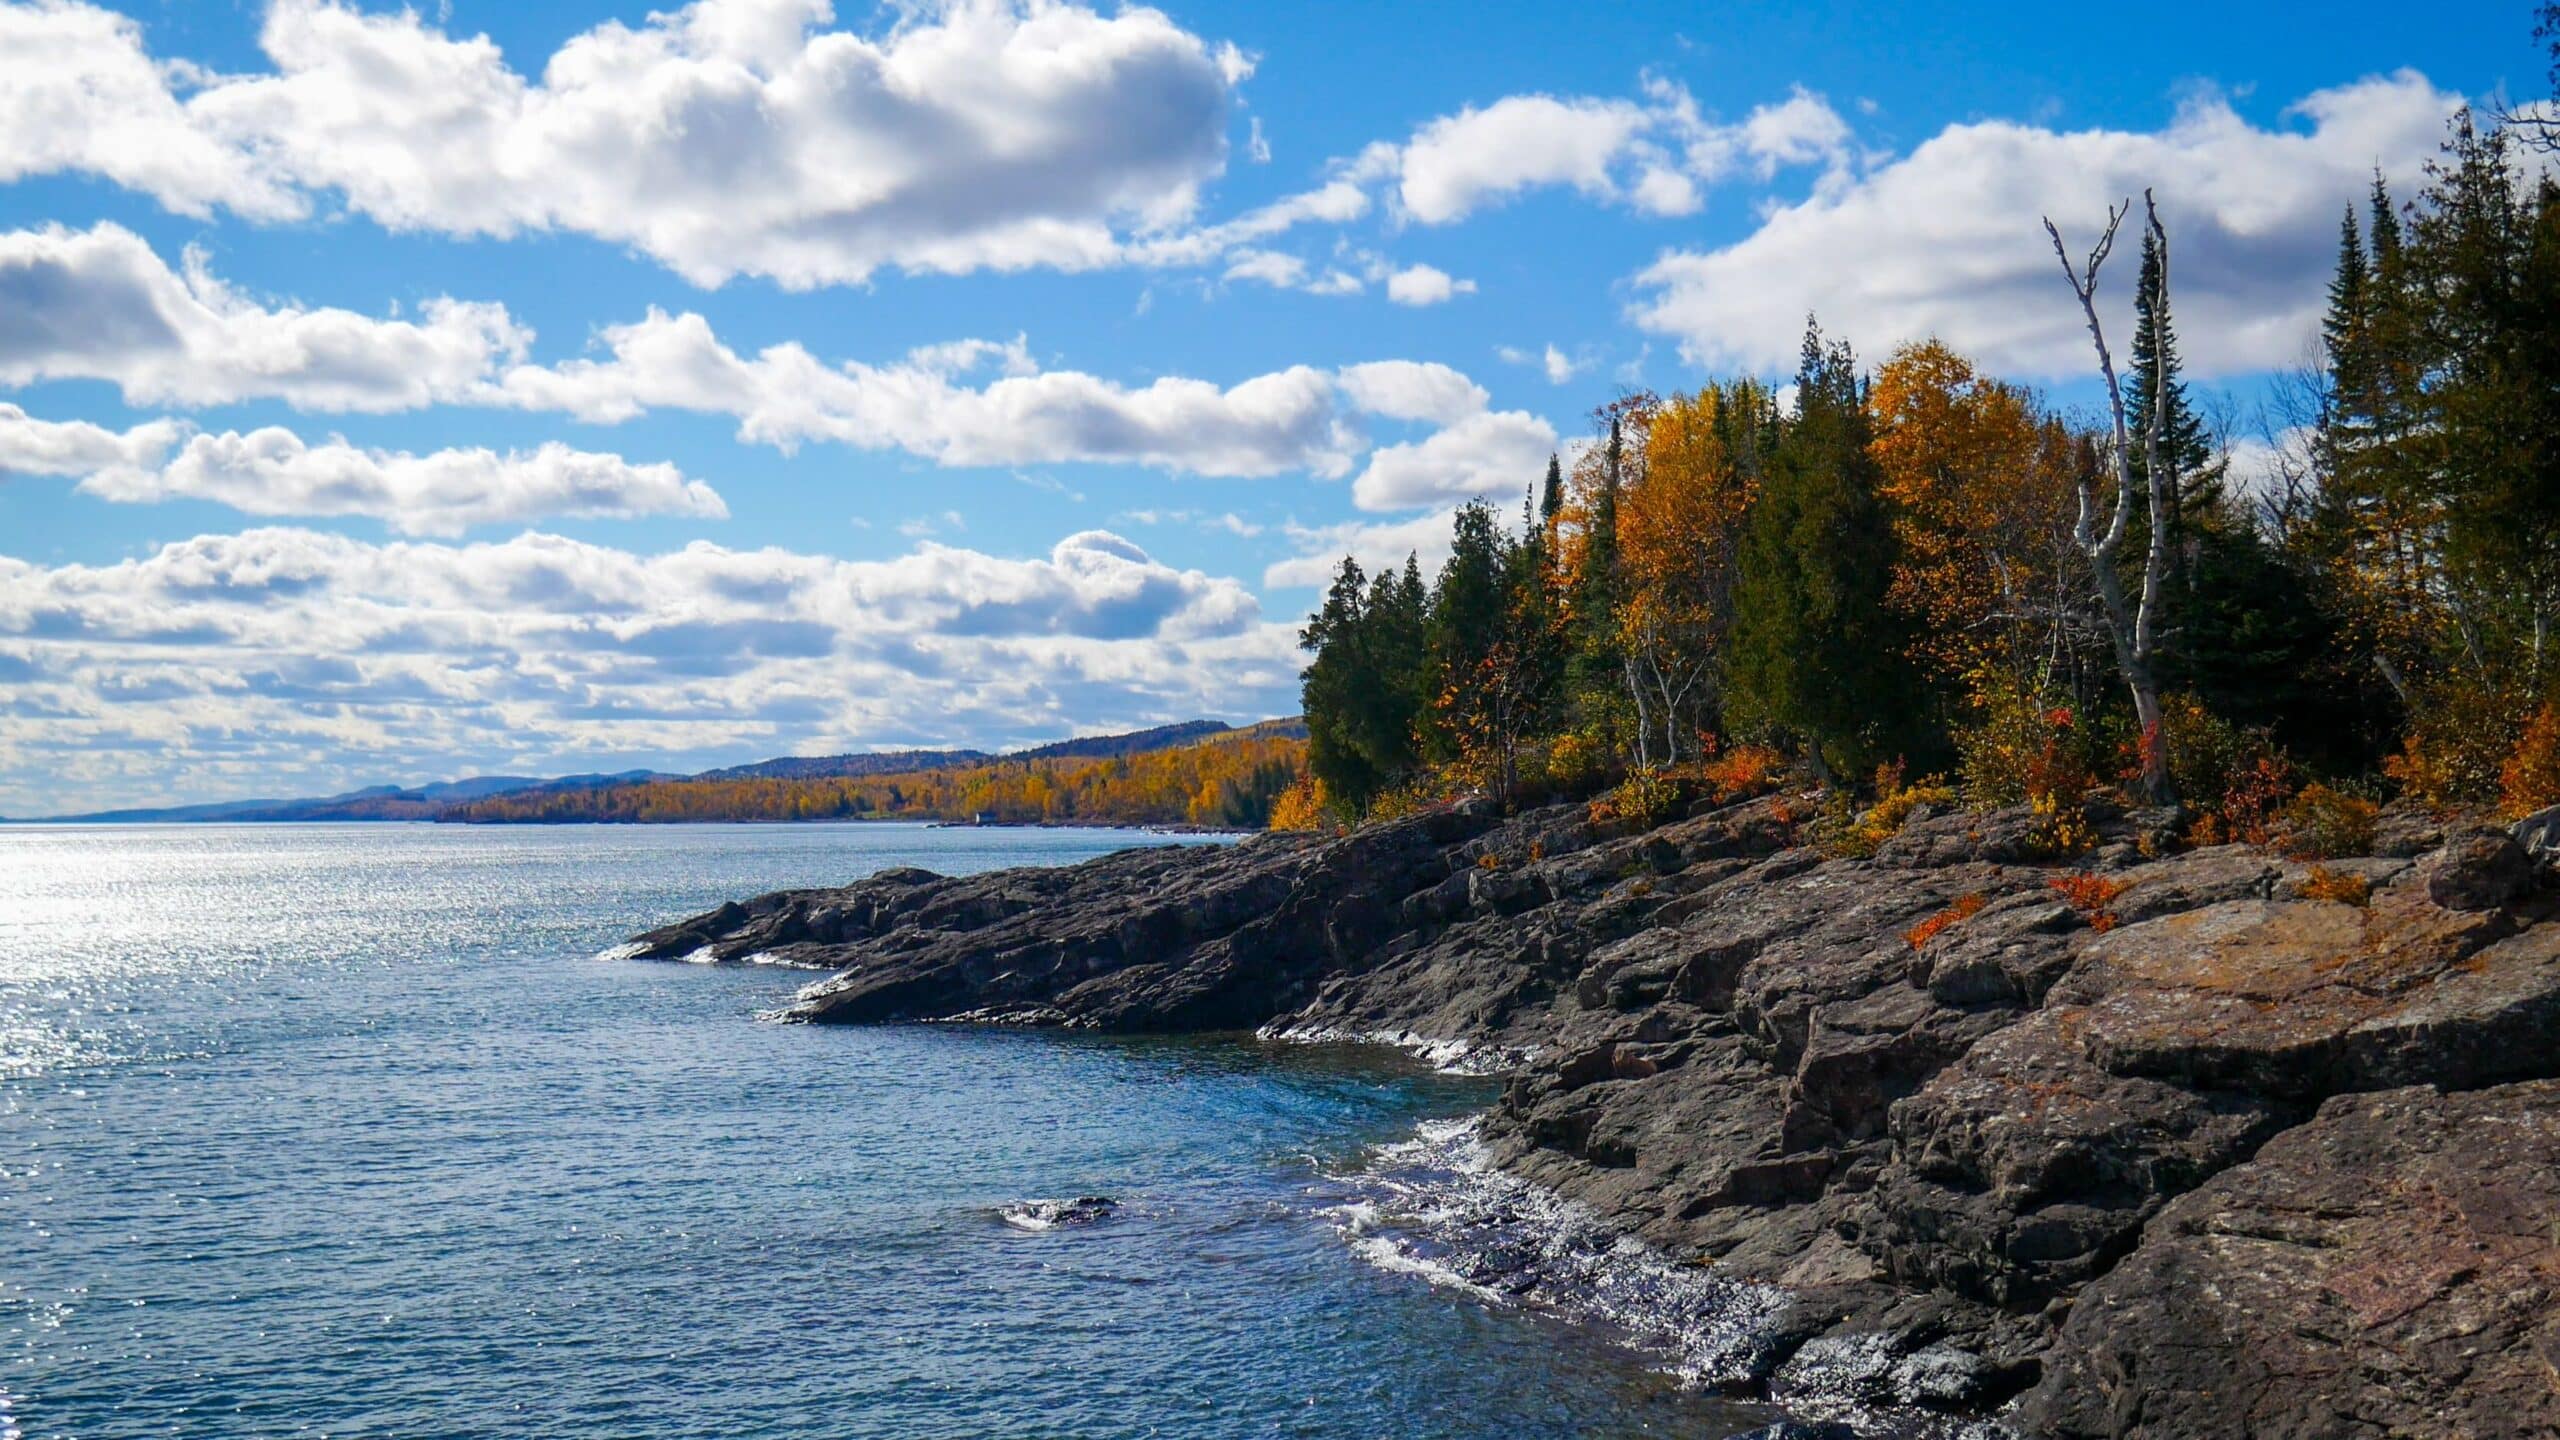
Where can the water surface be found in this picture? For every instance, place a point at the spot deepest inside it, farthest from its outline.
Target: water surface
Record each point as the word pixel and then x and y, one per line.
pixel 344 1130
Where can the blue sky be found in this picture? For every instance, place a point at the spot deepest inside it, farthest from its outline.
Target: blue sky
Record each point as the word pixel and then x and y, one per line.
pixel 393 395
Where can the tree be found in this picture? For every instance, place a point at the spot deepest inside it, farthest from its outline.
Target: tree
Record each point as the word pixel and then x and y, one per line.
pixel 1818 658
pixel 2133 624
pixel 1679 537
pixel 2194 479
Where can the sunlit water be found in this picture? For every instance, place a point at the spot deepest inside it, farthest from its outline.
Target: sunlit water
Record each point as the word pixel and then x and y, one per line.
pixel 344 1130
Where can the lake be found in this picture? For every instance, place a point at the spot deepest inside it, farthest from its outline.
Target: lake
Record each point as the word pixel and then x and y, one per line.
pixel 346 1130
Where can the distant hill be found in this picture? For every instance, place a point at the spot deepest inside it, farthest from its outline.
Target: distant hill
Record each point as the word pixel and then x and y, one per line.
pixel 563 797
pixel 1199 773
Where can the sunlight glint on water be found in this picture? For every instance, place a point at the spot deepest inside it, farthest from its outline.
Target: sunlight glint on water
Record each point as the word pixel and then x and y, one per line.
pixel 343 1130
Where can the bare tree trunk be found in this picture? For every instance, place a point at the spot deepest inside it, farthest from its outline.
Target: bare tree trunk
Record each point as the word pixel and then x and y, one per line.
pixel 2132 624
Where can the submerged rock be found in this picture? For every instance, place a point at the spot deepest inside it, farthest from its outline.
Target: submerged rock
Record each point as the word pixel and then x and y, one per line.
pixel 1051 1214
pixel 1958 1132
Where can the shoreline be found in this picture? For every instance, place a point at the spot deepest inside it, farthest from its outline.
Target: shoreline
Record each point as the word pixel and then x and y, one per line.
pixel 1964 1152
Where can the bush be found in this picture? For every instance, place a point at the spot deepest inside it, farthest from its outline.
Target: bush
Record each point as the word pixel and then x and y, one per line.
pixel 2090 895
pixel 1302 806
pixel 2459 745
pixel 2321 823
pixel 1742 773
pixel 2022 748
pixel 2529 779
pixel 2324 883
pixel 1857 834
pixel 1644 799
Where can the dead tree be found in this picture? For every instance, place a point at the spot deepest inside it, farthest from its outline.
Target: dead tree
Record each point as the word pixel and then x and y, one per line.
pixel 2132 624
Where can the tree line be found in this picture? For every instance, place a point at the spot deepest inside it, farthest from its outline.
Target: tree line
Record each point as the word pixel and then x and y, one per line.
pixel 1918 569
pixel 1230 781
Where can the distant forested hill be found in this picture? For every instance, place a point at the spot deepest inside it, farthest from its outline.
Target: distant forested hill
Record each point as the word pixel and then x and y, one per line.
pixel 1198 773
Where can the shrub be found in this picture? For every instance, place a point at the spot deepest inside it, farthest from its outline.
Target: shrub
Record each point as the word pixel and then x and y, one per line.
pixel 1857 834
pixel 2324 883
pixel 2090 895
pixel 1964 908
pixel 2321 823
pixel 1644 798
pixel 2023 747
pixel 2529 779
pixel 2458 745
pixel 1743 772
pixel 1302 806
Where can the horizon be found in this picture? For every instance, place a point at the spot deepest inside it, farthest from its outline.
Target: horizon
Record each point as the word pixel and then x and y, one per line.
pixel 495 425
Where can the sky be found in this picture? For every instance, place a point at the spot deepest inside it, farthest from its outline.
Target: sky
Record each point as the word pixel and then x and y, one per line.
pixel 390 395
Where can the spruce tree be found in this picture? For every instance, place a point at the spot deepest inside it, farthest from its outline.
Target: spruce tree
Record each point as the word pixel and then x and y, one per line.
pixel 1817 660
pixel 2194 480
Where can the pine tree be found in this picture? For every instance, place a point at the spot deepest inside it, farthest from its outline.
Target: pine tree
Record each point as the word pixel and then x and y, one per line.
pixel 1817 659
pixel 1551 498
pixel 2194 479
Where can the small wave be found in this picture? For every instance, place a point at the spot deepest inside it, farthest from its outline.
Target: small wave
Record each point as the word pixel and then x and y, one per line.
pixel 1450 1057
pixel 627 950
pixel 1436 1205
pixel 1051 1214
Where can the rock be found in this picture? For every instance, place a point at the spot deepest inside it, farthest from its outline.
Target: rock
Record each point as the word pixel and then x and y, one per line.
pixel 1801 1430
pixel 2390 1268
pixel 2539 834
pixel 2478 870
pixel 1052 1214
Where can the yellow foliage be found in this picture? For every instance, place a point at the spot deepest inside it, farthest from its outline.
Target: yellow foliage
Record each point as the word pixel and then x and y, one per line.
pixel 2529 779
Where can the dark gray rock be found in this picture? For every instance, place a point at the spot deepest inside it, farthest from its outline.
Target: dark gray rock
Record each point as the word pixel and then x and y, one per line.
pixel 1978 1138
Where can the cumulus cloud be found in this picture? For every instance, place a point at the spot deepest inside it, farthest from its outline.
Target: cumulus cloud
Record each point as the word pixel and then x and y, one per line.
pixel 1500 452
pixel 539 652
pixel 99 304
pixel 29 446
pixel 1651 154
pixel 272 472
pixel 1283 421
pixel 722 137
pixel 1375 544
pixel 1425 285
pixel 1413 390
pixel 1945 241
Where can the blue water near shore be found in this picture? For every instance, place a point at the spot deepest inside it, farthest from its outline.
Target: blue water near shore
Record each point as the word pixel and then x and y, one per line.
pixel 346 1131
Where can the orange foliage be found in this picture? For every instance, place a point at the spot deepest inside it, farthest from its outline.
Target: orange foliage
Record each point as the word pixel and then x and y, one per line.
pixel 2090 895
pixel 2323 883
pixel 1964 908
pixel 2529 780
pixel 1743 772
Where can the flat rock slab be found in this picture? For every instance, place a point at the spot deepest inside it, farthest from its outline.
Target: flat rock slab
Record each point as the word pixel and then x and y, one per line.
pixel 2391 1268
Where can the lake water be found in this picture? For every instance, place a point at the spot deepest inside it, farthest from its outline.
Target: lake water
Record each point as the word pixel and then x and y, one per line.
pixel 346 1131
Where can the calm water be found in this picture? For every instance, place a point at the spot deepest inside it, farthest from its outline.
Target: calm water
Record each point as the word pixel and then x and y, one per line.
pixel 342 1130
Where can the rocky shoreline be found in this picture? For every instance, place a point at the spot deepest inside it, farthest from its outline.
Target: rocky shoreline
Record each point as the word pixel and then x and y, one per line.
pixel 2212 1144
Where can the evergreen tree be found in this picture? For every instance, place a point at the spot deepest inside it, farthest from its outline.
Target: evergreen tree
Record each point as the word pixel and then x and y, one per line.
pixel 1817 659
pixel 1468 607
pixel 2194 479
pixel 1551 498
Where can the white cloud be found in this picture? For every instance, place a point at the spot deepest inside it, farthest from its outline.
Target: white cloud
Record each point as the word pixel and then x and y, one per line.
pixel 1271 424
pixel 1412 390
pixel 228 662
pixel 1946 240
pixel 78 93
pixel 724 137
pixel 1501 452
pixel 1375 545
pixel 98 304
pixel 272 472
pixel 29 446
pixel 1425 285
pixel 1652 156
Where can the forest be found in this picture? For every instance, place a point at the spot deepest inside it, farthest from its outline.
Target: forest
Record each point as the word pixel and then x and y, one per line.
pixel 1229 781
pixel 1919 583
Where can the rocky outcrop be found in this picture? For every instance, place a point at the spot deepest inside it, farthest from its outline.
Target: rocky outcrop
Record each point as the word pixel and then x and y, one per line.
pixel 2082 1138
